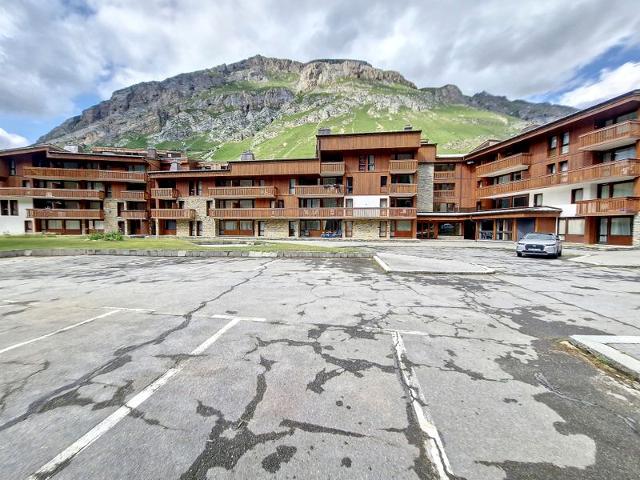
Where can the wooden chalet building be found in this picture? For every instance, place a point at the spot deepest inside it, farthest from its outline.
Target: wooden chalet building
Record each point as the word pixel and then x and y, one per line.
pixel 578 176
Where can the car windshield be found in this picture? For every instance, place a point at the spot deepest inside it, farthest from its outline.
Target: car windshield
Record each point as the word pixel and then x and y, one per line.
pixel 539 236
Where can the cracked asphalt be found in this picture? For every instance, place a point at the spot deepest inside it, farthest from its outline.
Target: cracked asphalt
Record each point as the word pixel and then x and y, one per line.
pixel 295 372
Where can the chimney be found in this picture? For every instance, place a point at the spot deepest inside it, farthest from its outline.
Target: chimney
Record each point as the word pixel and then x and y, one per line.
pixel 247 156
pixel 324 131
pixel 152 152
pixel 71 148
pixel 408 128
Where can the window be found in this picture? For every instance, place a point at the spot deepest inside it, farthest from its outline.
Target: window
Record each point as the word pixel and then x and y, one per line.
pixel 362 163
pixel 444 167
pixel 348 203
pixel 575 226
pixel 564 148
pixel 169 224
pixel 108 191
pixel 292 228
pixel 384 203
pixel 9 207
pixel 72 224
pixel 624 189
pixel 562 228
pixel 537 200
pixel 371 163
pixel 246 225
pixel 577 194
pixel 444 207
pixel 199 229
pixel 195 188
pixel 54 224
pixel 522 201
pixel 292 186
pixel 444 186
pixel 564 166
pixel 12 167
pixel 383 182
pixel 551 169
pixel 382 230
pixel 28 226
pixel 621 226
pixel 261 229
pixel 349 185
pixel 552 146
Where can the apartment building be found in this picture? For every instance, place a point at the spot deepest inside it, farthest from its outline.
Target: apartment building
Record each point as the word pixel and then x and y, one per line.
pixel 49 189
pixel 578 176
pixel 357 186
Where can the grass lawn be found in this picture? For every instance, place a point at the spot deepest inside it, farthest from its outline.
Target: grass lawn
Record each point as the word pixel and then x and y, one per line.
pixel 35 242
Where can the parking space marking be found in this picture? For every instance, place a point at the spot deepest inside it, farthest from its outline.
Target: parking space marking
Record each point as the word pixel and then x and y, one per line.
pixel 50 468
pixel 433 443
pixel 56 332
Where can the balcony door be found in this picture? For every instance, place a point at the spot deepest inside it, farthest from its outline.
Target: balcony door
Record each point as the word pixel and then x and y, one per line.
pixel 603 229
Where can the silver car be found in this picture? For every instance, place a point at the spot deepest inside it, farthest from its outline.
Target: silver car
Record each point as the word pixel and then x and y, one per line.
pixel 545 244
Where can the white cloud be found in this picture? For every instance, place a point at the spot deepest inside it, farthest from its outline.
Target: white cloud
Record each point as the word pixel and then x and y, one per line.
pixel 609 84
pixel 53 51
pixel 11 140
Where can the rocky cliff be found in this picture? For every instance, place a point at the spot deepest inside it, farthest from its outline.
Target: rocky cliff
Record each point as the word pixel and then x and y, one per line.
pixel 274 106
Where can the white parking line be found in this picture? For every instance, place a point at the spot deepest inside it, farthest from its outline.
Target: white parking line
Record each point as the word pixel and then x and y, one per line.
pixel 433 442
pixel 49 469
pixel 60 330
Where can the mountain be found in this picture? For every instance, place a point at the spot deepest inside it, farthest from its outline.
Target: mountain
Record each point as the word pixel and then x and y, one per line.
pixel 275 106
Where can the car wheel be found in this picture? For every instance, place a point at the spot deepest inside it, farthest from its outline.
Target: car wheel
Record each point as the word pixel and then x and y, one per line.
pixel 519 254
pixel 555 255
pixel 560 253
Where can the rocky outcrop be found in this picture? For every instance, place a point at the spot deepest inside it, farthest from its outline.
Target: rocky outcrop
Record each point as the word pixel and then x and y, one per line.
pixel 237 101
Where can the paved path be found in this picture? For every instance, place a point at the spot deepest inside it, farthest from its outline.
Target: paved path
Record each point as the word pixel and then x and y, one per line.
pixel 117 368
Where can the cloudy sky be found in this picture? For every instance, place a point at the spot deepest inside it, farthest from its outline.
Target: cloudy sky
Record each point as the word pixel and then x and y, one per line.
pixel 58 57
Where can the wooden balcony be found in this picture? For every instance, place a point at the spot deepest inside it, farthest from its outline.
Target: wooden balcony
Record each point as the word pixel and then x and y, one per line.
pixel 134 214
pixel 444 175
pixel 619 170
pixel 133 195
pixel 164 193
pixel 173 213
pixel 85 174
pixel 318 191
pixel 331 169
pixel 403 189
pixel 613 136
pixel 502 166
pixel 71 214
pixel 444 194
pixel 608 206
pixel 403 166
pixel 242 192
pixel 311 213
pixel 58 193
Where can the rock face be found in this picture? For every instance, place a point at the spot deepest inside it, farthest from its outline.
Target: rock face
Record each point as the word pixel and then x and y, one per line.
pixel 232 103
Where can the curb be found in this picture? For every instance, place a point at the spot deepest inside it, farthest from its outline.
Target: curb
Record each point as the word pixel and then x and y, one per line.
pixel 385 266
pixel 598 346
pixel 176 253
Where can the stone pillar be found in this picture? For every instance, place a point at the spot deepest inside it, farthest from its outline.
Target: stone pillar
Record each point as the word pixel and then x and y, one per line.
pixel 425 187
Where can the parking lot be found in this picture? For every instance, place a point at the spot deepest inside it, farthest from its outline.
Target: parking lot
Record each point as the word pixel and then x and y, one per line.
pixel 154 368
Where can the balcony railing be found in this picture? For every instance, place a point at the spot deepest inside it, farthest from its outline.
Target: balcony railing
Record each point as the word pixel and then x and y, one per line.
pixel 173 213
pixel 513 163
pixel 610 137
pixel 403 189
pixel 61 193
pixel 73 214
pixel 133 195
pixel 403 166
pixel 316 191
pixel 166 193
pixel 331 169
pixel 448 175
pixel 242 192
pixel 443 194
pixel 608 206
pixel 134 214
pixel 84 174
pixel 609 170
pixel 311 213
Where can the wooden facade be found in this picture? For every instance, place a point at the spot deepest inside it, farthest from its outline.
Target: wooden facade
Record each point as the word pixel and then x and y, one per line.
pixel 577 176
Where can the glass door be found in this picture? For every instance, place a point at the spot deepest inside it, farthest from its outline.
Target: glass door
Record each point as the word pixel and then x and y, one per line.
pixel 603 230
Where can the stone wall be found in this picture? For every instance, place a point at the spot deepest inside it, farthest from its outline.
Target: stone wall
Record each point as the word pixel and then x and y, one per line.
pixel 636 230
pixel 278 229
pixel 110 207
pixel 425 187
pixel 199 204
pixel 368 230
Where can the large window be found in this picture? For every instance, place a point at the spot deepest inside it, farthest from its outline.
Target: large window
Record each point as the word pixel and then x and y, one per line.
pixel 444 186
pixel 621 226
pixel 8 207
pixel 575 226
pixel 623 153
pixel 564 147
pixel 444 167
pixel 366 163
pixel 577 194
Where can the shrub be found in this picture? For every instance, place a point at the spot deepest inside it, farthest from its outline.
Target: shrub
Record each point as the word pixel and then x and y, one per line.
pixel 109 237
pixel 96 236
